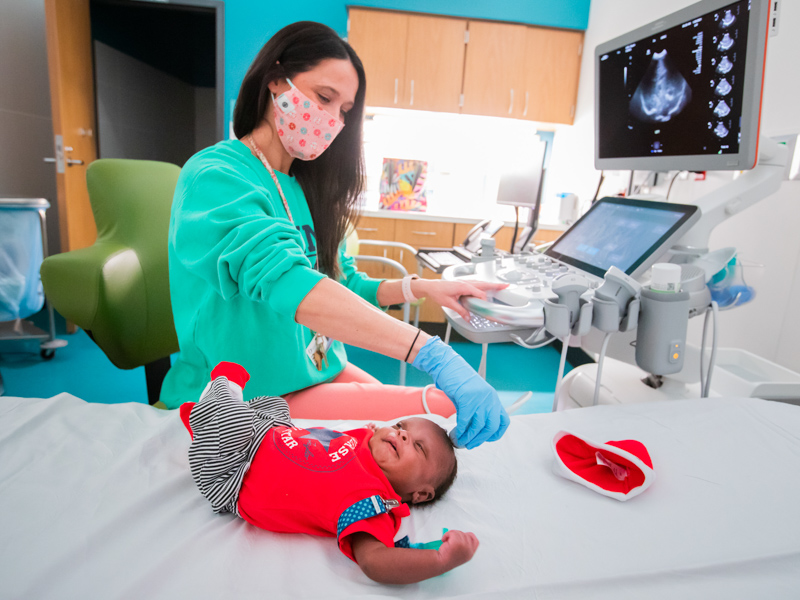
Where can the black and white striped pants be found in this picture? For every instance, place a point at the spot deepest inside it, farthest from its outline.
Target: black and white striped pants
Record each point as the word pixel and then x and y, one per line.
pixel 227 433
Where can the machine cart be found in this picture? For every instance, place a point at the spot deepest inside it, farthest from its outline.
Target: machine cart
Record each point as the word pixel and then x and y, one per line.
pixel 21 292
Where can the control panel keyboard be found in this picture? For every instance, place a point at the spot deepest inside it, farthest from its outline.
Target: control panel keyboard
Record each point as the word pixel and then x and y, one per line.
pixel 445 259
pixel 520 306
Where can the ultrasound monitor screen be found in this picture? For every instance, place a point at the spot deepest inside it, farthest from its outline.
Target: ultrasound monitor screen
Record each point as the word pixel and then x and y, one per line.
pixel 620 232
pixel 677 92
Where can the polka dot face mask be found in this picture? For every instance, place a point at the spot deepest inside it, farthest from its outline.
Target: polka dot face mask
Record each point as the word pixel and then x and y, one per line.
pixel 304 128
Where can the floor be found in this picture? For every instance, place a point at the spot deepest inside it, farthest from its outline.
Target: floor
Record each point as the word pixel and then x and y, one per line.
pixel 82 370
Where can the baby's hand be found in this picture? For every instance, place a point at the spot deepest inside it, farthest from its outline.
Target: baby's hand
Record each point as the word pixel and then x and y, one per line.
pixel 371 426
pixel 457 548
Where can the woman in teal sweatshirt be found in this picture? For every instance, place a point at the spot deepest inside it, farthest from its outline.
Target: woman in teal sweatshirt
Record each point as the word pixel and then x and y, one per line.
pixel 257 272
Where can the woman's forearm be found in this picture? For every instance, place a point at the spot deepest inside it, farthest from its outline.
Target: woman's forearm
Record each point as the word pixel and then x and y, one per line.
pixel 333 310
pixel 390 291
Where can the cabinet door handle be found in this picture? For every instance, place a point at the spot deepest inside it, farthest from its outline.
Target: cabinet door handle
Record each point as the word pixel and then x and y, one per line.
pixel 511 104
pixel 366 229
pixel 412 93
pixel 396 81
pixel 525 111
pixel 424 232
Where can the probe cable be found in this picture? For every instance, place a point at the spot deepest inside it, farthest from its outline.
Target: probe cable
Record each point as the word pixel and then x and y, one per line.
pixel 561 364
pixel 603 349
pixel 705 380
pixel 528 343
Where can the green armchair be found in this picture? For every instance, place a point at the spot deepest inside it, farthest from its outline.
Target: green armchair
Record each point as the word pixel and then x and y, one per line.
pixel 117 290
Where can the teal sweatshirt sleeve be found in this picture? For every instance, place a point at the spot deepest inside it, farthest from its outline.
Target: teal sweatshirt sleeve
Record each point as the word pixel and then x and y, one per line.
pixel 356 281
pixel 225 231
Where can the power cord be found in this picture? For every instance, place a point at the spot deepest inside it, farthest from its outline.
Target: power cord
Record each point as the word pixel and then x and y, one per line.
pixel 516 228
pixel 674 177
pixel 519 402
pixel 425 400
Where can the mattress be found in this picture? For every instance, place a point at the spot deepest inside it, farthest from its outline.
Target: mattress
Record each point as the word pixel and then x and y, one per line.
pixel 97 502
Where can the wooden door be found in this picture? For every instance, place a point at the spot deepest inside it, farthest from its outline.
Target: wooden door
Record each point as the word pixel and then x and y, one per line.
pixel 70 66
pixel 552 69
pixel 493 72
pixel 379 39
pixel 434 63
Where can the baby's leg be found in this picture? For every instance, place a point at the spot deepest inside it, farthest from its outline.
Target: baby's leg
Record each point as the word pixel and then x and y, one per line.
pixel 226 434
pixel 365 401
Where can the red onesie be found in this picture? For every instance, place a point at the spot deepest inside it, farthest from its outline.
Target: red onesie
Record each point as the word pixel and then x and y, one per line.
pixel 302 480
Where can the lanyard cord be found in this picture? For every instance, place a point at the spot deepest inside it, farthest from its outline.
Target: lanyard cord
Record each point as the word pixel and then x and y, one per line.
pixel 318 338
pixel 251 142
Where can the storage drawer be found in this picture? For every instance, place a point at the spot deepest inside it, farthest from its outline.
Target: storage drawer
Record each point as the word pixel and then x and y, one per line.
pixel 424 234
pixel 374 228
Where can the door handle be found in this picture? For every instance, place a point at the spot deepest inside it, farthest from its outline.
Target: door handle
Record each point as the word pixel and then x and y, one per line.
pixel 69 161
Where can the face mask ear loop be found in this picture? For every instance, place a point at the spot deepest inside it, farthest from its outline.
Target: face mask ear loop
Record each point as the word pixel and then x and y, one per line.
pixel 271 95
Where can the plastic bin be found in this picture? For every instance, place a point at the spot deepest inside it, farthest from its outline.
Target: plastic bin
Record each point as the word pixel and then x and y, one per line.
pixel 743 374
pixel 25 281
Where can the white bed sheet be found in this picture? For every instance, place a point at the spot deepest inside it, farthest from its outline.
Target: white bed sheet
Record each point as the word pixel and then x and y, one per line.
pixel 97 502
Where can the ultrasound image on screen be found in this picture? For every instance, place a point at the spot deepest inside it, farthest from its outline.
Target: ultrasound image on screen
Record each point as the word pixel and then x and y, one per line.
pixel 678 92
pixel 615 235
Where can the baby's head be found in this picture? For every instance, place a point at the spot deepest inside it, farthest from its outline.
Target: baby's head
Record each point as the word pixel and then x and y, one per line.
pixel 417 457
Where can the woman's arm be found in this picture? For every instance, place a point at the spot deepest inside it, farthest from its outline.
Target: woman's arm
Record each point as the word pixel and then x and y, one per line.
pixel 333 310
pixel 443 293
pixel 410 565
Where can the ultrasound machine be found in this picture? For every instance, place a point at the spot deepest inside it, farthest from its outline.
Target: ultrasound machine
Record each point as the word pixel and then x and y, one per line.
pixel 682 93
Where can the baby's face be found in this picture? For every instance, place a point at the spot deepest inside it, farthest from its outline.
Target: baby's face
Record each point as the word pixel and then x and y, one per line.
pixel 414 456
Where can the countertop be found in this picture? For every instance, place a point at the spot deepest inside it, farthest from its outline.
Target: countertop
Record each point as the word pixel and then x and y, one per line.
pixel 423 216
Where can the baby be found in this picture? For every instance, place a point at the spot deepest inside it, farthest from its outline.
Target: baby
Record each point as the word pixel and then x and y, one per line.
pixel 247 458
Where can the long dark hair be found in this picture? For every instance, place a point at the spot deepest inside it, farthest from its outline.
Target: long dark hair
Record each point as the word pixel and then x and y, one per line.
pixel 332 182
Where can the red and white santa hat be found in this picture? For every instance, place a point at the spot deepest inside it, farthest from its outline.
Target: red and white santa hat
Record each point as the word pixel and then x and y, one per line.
pixel 617 469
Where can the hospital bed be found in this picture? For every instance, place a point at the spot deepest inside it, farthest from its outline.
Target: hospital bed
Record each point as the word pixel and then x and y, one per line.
pixel 98 502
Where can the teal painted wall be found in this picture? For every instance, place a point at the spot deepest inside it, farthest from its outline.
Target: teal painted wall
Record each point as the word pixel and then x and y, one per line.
pixel 250 23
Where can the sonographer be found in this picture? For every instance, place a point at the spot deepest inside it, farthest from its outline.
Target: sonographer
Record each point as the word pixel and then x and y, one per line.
pixel 257 272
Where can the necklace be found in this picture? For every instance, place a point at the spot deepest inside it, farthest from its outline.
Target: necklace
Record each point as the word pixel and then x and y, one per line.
pixel 319 343
pixel 252 143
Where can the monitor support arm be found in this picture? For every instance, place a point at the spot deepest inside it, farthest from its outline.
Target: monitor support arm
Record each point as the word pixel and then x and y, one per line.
pixel 744 191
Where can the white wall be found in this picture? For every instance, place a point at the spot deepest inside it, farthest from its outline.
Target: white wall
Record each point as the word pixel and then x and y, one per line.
pixel 767 233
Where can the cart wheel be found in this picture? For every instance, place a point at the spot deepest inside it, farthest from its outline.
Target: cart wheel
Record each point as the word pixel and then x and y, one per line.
pixel 47 353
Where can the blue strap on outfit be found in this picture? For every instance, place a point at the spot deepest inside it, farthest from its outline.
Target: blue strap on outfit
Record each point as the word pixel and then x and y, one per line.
pixel 364 509
pixel 479 415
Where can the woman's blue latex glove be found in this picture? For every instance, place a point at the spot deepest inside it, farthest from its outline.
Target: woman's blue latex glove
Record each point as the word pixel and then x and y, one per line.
pixel 479 415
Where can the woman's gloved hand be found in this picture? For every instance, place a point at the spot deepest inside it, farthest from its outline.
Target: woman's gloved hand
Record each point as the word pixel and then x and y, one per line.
pixel 480 416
